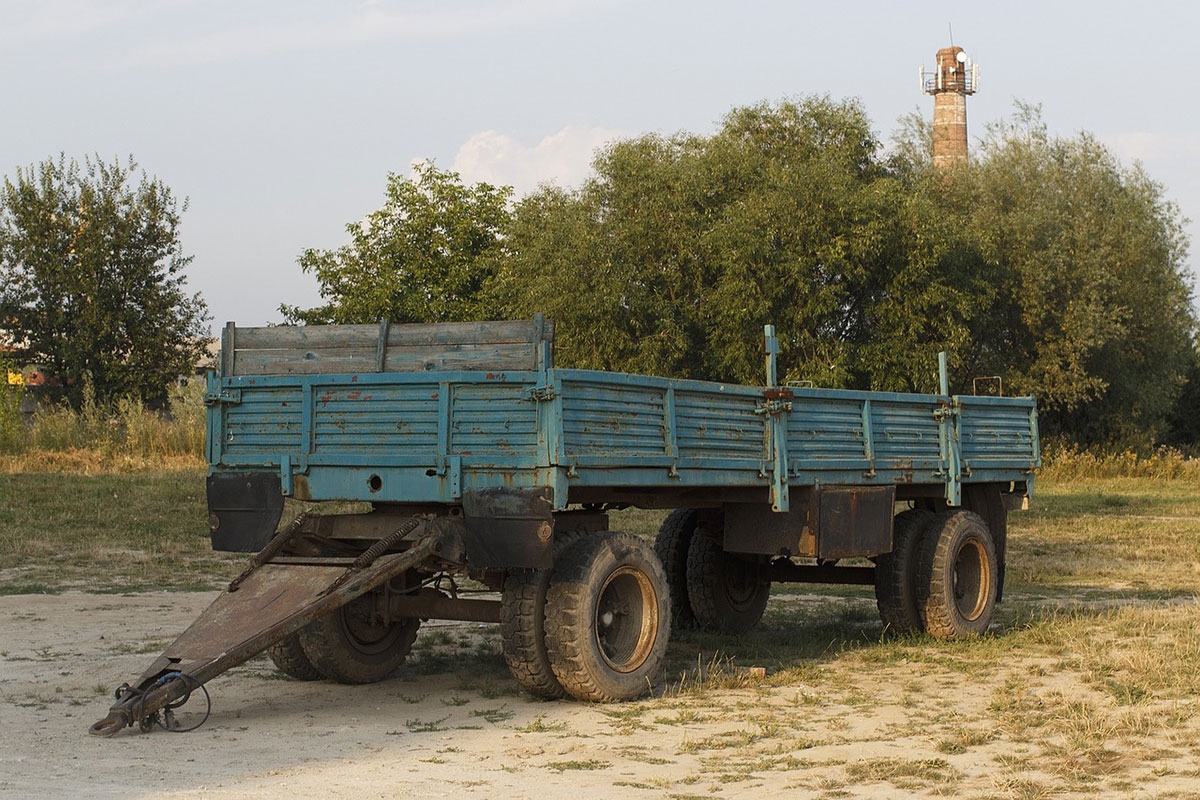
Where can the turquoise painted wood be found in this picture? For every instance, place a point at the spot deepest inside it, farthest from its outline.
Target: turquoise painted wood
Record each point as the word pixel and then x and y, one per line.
pixel 426 435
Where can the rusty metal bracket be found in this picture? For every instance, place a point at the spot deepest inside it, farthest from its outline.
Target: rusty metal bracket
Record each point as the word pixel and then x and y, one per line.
pixel 775 408
pixel 273 548
pixel 373 552
pixel 227 396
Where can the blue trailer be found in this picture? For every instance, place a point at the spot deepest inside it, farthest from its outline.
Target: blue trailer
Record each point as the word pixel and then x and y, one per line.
pixel 471 456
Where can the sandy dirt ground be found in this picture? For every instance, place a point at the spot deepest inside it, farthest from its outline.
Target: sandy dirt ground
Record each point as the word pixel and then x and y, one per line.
pixel 463 734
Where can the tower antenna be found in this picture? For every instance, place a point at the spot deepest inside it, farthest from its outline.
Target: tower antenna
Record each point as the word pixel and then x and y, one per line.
pixel 955 77
pixel 950 27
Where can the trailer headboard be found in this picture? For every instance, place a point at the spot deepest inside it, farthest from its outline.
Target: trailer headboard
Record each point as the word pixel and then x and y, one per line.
pixel 388 347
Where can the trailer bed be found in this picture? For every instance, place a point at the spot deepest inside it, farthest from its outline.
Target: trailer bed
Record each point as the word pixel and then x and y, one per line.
pixel 414 431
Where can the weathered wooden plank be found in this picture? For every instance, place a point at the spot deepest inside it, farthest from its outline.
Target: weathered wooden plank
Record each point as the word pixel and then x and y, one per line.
pixel 450 333
pixel 228 349
pixel 387 347
pixel 381 346
pixel 311 362
pixel 306 337
pixel 493 357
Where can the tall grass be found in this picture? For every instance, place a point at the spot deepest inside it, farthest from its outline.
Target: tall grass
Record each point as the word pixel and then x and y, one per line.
pixel 94 433
pixel 1065 462
pixel 12 430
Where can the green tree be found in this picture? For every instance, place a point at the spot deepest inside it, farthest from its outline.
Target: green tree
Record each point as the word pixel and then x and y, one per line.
pixel 1099 322
pixel 1044 261
pixel 680 249
pixel 423 256
pixel 91 278
pixel 1183 423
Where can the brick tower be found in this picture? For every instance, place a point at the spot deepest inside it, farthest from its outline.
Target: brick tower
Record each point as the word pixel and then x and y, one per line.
pixel 955 77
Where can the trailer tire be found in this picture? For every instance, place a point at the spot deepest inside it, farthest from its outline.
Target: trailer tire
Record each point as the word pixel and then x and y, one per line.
pixel 896 574
pixel 289 658
pixel 671 546
pixel 958 564
pixel 349 646
pixel 607 618
pixel 727 593
pixel 523 625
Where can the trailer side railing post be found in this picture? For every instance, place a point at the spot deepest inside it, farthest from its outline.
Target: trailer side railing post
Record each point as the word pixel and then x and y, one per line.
pixel 771 348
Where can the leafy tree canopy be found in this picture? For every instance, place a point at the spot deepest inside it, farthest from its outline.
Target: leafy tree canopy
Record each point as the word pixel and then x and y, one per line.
pixel 677 253
pixel 91 278
pixel 1096 309
pixel 423 256
pixel 1044 260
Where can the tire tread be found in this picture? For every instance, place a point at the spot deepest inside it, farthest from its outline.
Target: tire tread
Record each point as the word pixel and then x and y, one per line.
pixel 671 546
pixel 289 658
pixel 325 645
pixel 707 564
pixel 896 573
pixel 569 633
pixel 942 619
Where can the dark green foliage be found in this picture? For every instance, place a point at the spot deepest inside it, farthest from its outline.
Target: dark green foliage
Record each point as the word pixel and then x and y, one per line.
pixel 422 257
pixel 673 258
pixel 91 283
pixel 636 265
pixel 1097 315
pixel 1183 423
pixel 1044 261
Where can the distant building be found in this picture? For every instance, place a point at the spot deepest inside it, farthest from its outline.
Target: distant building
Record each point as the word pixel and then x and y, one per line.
pixel 208 361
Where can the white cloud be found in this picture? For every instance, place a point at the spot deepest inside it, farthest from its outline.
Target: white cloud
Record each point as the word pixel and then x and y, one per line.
pixel 563 158
pixel 1148 147
pixel 39 21
pixel 371 22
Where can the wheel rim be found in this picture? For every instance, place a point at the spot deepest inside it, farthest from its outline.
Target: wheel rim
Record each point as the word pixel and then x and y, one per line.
pixel 741 584
pixel 363 633
pixel 626 619
pixel 972 580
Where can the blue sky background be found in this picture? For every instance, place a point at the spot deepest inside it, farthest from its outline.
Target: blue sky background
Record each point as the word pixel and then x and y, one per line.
pixel 280 121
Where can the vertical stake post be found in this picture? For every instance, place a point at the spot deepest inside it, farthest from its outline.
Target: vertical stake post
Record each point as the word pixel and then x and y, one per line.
pixel 771 348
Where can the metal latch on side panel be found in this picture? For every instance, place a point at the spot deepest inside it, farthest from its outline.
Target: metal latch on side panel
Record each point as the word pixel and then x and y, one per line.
pixel 776 401
pixel 226 396
pixel 540 394
pixel 945 410
pixel 449 469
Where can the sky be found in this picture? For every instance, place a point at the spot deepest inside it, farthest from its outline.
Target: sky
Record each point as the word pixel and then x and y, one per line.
pixel 279 122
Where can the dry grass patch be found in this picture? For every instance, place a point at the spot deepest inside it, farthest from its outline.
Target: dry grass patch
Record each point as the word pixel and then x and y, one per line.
pixel 907 774
pixel 1086 685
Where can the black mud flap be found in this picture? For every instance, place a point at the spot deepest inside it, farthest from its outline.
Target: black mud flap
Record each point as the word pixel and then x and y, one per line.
pixel 509 528
pixel 243 510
